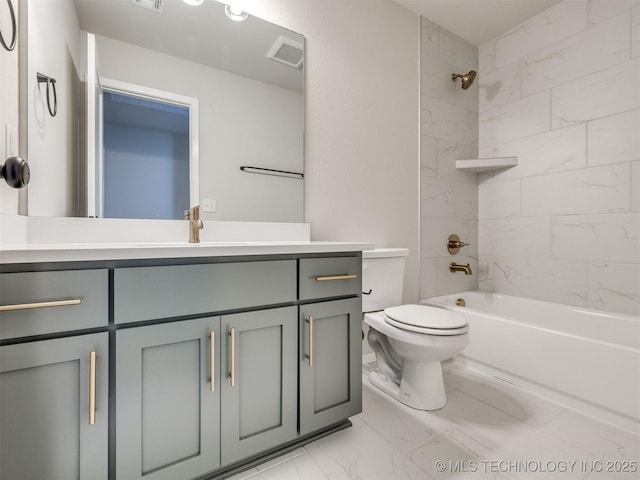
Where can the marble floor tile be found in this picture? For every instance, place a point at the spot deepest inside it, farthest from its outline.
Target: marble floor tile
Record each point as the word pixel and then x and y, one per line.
pixel 489 429
pixel 515 401
pixel 359 453
pixel 300 467
pixel 597 439
pixel 281 459
pixel 392 422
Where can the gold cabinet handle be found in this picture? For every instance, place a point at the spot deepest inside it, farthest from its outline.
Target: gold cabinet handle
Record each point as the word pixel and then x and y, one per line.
pixel 212 359
pixel 30 306
pixel 232 341
pixel 310 356
pixel 329 278
pixel 92 388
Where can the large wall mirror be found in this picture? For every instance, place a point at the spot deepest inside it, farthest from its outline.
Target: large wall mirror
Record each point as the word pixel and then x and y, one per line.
pixel 158 104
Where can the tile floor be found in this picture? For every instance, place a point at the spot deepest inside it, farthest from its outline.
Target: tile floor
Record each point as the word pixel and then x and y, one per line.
pixel 488 429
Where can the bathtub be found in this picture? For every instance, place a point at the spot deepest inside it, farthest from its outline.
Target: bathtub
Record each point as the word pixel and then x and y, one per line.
pixel 583 358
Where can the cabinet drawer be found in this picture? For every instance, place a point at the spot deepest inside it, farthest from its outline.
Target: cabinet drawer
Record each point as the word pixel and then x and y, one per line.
pixel 146 293
pixel 49 302
pixel 330 277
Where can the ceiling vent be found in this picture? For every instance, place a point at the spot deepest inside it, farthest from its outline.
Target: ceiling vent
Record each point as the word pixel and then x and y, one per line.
pixel 153 5
pixel 287 51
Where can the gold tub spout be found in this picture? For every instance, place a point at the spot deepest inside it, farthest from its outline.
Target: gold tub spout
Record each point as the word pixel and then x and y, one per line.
pixel 195 224
pixel 454 267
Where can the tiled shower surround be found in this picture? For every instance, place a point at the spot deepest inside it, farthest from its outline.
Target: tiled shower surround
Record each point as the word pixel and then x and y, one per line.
pixel 448 131
pixel 562 93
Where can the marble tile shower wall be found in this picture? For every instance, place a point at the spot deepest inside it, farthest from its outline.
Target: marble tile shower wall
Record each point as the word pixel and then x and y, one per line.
pixel 449 131
pixel 562 92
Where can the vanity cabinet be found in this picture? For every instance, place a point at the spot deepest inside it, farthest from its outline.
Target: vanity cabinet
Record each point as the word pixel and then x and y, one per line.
pixel 40 303
pixel 193 368
pixel 168 400
pixel 54 391
pixel 54 408
pixel 330 341
pixel 194 395
pixel 259 381
pixel 330 363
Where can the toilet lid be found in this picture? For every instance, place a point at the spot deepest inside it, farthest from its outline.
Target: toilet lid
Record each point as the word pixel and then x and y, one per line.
pixel 423 316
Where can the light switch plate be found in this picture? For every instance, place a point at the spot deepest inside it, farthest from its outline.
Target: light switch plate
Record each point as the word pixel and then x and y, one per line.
pixel 10 141
pixel 208 205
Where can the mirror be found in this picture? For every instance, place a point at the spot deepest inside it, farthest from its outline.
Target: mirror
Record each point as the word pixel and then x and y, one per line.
pixel 106 58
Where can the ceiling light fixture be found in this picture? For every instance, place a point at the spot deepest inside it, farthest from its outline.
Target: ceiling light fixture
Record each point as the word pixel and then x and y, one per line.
pixel 195 3
pixel 235 14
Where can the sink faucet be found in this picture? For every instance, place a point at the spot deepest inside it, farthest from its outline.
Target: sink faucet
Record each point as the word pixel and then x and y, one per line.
pixel 454 267
pixel 195 224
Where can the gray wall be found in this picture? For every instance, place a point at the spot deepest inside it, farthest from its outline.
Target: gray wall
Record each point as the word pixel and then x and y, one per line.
pixel 362 121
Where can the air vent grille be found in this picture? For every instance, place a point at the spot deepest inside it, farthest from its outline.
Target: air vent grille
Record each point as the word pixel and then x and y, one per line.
pixel 287 51
pixel 153 5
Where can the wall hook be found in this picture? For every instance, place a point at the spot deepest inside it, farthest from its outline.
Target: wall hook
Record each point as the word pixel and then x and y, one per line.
pixel 51 84
pixel 14 30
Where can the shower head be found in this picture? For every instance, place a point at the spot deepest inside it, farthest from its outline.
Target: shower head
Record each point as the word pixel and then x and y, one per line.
pixel 467 79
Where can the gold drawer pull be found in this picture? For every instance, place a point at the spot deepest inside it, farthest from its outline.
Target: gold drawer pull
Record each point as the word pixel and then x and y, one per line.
pixel 92 388
pixel 232 342
pixel 310 356
pixel 30 306
pixel 212 359
pixel 349 276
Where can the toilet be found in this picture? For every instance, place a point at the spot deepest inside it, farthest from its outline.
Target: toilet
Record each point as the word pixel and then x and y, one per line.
pixel 409 341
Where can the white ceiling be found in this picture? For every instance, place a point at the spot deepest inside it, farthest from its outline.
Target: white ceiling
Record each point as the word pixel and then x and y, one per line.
pixel 477 21
pixel 200 34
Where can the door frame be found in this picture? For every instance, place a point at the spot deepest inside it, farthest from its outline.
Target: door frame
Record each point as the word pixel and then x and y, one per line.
pixel 154 94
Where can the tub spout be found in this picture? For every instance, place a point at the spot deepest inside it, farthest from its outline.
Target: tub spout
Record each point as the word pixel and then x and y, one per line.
pixel 454 267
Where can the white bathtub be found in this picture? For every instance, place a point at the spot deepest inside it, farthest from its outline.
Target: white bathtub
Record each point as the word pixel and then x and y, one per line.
pixel 586 359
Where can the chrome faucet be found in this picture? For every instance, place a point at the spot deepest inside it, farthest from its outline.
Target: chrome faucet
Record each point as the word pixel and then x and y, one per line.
pixel 454 267
pixel 195 224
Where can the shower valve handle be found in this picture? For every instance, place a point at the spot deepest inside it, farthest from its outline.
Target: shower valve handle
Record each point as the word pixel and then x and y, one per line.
pixel 454 244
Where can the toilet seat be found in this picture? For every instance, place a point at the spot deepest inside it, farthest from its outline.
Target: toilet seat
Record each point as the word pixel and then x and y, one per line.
pixel 426 319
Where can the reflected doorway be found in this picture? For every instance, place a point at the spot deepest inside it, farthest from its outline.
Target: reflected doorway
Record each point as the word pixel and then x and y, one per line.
pixel 142 150
pixel 145 159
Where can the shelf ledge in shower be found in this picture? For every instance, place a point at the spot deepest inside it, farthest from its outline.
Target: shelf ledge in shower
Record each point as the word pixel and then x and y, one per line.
pixel 484 165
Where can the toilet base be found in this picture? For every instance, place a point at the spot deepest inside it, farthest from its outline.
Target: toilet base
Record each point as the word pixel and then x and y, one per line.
pixel 421 386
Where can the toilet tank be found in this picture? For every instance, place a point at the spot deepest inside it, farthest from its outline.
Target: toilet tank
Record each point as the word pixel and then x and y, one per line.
pixel 383 275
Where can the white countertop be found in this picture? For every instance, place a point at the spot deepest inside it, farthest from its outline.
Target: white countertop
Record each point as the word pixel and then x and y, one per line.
pixel 70 252
pixel 42 239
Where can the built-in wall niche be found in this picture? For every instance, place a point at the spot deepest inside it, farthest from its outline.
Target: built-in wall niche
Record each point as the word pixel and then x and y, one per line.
pixel 484 165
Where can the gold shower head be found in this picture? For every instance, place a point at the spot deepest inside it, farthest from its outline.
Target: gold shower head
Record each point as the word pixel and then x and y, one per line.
pixel 467 79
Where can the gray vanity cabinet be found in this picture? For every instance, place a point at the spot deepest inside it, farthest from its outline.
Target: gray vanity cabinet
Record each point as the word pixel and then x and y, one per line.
pixel 48 391
pixel 259 381
pixel 168 400
pixel 330 363
pixel 188 370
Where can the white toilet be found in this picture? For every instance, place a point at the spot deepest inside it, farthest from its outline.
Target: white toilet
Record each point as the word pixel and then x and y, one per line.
pixel 409 341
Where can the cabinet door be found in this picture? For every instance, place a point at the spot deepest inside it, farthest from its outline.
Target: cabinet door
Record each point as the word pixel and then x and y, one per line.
pixel 259 394
pixel 330 363
pixel 47 392
pixel 167 416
